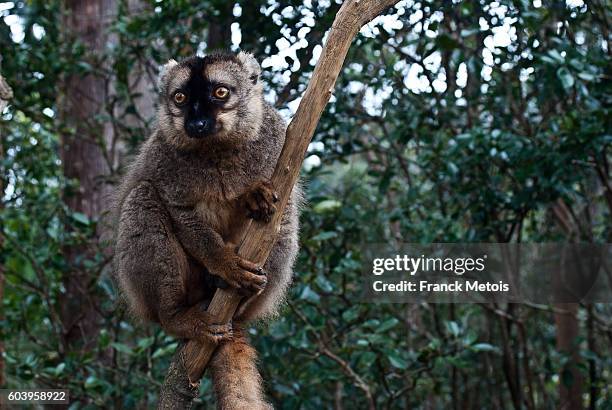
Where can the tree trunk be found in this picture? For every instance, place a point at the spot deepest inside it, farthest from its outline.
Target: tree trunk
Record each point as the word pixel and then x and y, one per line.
pixel 566 321
pixel 84 161
pixel 5 95
pixel 570 385
pixel 220 28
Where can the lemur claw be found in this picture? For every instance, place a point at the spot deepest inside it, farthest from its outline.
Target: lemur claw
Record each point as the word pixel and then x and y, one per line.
pixel 218 333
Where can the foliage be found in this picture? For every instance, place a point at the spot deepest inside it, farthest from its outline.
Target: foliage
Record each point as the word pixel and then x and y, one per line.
pixel 451 122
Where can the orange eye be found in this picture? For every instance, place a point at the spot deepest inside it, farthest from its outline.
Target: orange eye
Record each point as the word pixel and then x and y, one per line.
pixel 180 98
pixel 221 92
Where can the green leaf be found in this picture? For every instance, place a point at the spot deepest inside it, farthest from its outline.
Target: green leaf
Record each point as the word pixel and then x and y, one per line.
pixel 469 33
pixel 372 323
pixel 351 314
pixel 84 66
pixel 327 205
pixel 104 338
pixel 164 351
pixel 81 218
pixel 145 343
pixel 556 56
pixel 309 294
pixel 367 359
pixel 587 76
pixel 567 80
pixel 59 369
pixel 453 328
pixel 324 284
pixel 323 236
pixel 121 347
pixel 397 361
pixel 92 382
pixel 387 325
pixel 483 347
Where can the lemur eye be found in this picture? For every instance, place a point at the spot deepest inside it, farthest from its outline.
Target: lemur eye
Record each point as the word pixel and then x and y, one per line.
pixel 180 98
pixel 221 92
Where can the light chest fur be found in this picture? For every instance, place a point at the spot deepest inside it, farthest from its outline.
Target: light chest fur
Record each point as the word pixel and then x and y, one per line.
pixel 218 186
pixel 225 216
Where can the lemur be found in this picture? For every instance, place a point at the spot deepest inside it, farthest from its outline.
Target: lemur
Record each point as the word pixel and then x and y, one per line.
pixel 183 202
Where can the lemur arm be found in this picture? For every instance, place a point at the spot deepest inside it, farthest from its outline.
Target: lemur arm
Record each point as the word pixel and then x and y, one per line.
pixel 204 244
pixel 201 241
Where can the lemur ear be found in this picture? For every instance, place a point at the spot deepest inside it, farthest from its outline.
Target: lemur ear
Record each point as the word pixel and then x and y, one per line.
pixel 161 80
pixel 249 62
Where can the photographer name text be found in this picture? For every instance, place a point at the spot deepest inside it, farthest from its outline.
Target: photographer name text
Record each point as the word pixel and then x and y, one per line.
pixel 411 266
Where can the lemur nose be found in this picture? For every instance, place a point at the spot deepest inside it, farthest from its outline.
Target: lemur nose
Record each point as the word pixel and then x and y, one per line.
pixel 198 128
pixel 201 126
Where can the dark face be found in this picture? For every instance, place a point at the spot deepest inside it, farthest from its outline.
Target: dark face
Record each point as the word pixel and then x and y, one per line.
pixel 201 100
pixel 213 98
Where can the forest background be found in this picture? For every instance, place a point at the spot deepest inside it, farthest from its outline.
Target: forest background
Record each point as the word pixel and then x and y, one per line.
pixel 462 121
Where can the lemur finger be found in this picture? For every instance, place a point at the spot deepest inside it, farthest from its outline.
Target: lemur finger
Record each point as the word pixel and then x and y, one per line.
pixel 256 279
pixel 248 265
pixel 266 198
pixel 220 329
pixel 253 283
pixel 219 332
pixel 265 183
pixel 261 216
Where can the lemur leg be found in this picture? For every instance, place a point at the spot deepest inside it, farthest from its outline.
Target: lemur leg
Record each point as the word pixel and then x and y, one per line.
pixel 237 383
pixel 154 270
pixel 194 323
pixel 175 315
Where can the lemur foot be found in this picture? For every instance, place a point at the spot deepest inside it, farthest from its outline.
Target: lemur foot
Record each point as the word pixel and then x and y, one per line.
pixel 239 273
pixel 218 333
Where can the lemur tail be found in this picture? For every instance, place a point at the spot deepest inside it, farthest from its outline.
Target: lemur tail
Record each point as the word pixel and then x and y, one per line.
pixel 237 383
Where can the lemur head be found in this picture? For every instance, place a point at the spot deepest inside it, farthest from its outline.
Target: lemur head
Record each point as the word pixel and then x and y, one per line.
pixel 211 99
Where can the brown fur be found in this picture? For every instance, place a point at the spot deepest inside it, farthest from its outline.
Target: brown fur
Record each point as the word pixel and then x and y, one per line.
pixel 237 382
pixel 184 202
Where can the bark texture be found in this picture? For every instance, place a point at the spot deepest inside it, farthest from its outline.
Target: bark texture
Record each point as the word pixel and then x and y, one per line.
pixel 177 391
pixel 84 160
pixel 220 28
pixel 572 380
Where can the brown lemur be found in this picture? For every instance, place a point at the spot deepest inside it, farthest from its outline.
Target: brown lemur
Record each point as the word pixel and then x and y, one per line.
pixel 184 201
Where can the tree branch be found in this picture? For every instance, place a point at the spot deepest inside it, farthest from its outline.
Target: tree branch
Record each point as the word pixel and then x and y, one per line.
pixel 5 93
pixel 259 237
